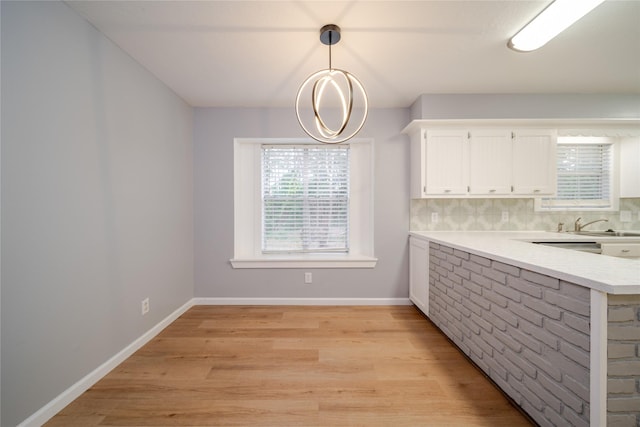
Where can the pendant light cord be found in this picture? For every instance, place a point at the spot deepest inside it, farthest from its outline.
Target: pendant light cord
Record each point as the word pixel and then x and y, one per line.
pixel 330 42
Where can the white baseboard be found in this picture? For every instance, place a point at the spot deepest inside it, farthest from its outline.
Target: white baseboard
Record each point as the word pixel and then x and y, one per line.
pixel 69 395
pixel 301 301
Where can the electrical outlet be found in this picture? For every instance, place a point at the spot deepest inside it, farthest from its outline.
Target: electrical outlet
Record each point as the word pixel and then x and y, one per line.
pixel 435 218
pixel 625 216
pixel 505 216
pixel 145 306
pixel 308 278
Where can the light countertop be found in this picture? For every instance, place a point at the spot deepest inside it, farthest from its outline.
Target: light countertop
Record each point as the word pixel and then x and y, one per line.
pixel 601 272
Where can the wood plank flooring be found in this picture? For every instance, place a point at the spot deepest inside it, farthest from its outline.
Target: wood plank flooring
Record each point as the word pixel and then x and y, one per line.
pixel 295 366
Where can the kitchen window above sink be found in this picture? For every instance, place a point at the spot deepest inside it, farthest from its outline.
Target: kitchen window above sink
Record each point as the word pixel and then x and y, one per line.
pixel 587 175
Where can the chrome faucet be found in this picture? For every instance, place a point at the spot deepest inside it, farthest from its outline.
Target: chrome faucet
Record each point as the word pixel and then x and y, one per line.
pixel 580 227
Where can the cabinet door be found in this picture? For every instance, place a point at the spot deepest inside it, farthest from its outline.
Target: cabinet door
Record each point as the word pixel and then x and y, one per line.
pixel 419 273
pixel 534 162
pixel 490 162
pixel 629 167
pixel 625 250
pixel 446 163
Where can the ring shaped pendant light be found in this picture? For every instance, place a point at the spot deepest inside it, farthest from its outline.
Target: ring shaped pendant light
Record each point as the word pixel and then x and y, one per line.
pixel 339 105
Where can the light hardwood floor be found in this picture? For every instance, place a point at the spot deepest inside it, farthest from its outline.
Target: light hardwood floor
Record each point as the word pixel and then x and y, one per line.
pixel 295 366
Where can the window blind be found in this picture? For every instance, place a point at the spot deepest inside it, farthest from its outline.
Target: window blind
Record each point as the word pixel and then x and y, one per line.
pixel 584 176
pixel 305 199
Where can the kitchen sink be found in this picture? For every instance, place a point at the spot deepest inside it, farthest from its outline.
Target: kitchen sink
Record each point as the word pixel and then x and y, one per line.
pixel 592 247
pixel 608 233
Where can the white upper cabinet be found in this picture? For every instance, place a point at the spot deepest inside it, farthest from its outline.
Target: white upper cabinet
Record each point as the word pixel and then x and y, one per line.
pixel 446 162
pixel 490 155
pixel 630 167
pixel 439 163
pixel 482 162
pixel 534 162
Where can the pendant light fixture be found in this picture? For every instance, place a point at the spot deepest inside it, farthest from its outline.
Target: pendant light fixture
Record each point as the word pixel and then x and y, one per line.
pixel 331 104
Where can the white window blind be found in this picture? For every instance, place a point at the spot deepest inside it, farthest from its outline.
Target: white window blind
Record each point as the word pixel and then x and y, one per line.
pixel 584 176
pixel 305 199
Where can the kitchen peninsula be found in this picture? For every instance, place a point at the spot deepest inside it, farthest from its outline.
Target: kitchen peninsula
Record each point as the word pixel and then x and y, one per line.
pixel 557 330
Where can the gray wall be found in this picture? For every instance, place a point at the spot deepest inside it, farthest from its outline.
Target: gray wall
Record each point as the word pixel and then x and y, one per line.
pixel 527 106
pixel 215 129
pixel 97 202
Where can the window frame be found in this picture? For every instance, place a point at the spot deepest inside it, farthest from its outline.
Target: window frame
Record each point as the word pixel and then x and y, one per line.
pixel 248 209
pixel 614 198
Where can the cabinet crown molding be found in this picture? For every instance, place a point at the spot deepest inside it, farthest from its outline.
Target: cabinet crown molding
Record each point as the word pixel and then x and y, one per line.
pixel 565 127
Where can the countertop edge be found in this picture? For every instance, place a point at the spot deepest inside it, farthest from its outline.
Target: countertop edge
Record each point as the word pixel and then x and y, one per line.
pixel 599 272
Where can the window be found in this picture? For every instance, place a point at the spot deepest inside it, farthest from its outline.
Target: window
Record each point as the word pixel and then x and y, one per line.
pixel 586 175
pixel 305 199
pixel 302 204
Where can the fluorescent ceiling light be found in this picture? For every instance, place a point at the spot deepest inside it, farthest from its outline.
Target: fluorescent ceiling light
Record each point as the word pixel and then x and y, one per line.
pixel 557 17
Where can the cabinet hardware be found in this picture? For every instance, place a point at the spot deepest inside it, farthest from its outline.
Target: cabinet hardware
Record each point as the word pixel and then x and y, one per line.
pixel 512 188
pixel 424 189
pixel 624 251
pixel 536 191
pixel 492 191
pixel 447 191
pixel 468 189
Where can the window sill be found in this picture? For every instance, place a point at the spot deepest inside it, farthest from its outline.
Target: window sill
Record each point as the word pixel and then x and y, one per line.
pixel 305 261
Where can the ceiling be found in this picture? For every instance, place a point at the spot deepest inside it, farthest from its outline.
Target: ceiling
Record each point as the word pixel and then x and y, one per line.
pixel 257 53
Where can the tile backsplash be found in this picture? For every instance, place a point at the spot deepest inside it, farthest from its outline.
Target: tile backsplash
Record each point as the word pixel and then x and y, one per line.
pixel 513 214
